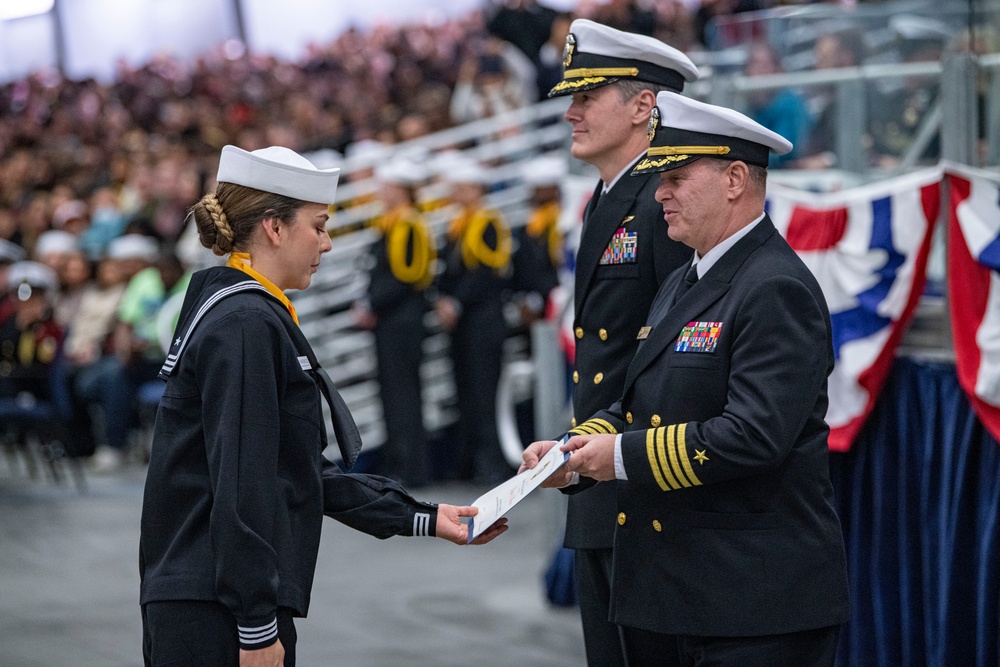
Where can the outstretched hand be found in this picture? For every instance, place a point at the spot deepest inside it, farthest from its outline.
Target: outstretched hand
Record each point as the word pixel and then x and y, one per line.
pixel 450 527
pixel 592 456
pixel 534 453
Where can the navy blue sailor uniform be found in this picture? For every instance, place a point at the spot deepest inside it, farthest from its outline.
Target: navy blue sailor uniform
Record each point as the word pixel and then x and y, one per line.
pixel 237 483
pixel 477 264
pixel 726 525
pixel 404 264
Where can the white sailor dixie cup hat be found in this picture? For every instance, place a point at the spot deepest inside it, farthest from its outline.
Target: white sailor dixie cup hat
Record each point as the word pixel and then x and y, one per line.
pixel 596 55
pixel 683 130
pixel 25 277
pixel 278 170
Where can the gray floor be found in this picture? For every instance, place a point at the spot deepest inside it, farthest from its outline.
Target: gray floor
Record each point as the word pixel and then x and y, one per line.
pixel 69 585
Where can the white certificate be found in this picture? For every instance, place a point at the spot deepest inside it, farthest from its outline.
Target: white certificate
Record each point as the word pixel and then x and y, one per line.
pixel 496 502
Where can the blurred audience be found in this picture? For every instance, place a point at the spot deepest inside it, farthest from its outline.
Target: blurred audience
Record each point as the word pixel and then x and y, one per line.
pixel 783 111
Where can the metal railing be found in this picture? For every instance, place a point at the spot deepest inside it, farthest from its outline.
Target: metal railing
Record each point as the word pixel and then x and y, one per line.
pixel 506 140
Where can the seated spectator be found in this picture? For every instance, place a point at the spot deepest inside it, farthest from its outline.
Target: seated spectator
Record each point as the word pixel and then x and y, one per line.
pixel 899 113
pixel 75 277
pixel 489 84
pixel 106 383
pixel 30 338
pixel 781 111
pixel 832 50
pixel 10 253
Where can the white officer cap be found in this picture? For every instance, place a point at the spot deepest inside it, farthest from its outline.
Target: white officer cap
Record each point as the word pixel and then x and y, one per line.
pixel 545 170
pixel 401 172
pixel 134 246
pixel 24 277
pixel 10 252
pixel 73 209
pixel 596 55
pixel 682 130
pixel 278 170
pixel 56 241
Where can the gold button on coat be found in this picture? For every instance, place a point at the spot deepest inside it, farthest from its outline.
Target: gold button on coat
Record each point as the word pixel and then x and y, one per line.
pixel 573 422
pixel 621 518
pixel 656 526
pixel 603 333
pixel 576 376
pixel 655 420
pixel 579 332
pixel 598 378
pixel 628 417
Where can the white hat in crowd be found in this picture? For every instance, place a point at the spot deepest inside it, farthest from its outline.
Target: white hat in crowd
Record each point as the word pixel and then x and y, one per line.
pixel 278 170
pixel 134 246
pixel 683 130
pixel 54 242
pixel 401 172
pixel 463 169
pixel 545 170
pixel 596 55
pixel 10 252
pixel 74 209
pixel 25 277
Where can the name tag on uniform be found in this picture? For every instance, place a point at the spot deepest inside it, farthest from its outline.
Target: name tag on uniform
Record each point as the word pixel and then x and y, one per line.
pixel 699 337
pixel 643 333
pixel 304 363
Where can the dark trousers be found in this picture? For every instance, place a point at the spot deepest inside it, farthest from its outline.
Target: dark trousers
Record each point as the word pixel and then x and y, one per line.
pixel 808 648
pixel 477 355
pixel 195 633
pixel 602 638
pixel 398 349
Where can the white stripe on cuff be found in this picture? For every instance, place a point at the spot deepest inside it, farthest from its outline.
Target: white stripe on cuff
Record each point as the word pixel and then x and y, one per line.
pixel 421 524
pixel 258 634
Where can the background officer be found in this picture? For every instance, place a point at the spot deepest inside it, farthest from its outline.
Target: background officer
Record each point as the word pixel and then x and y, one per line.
pixel 624 255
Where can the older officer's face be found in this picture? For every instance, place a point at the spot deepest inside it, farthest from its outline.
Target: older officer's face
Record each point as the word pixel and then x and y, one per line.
pixel 600 123
pixel 693 199
pixel 306 242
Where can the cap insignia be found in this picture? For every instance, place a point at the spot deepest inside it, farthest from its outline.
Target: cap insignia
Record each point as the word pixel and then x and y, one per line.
pixel 568 49
pixel 654 122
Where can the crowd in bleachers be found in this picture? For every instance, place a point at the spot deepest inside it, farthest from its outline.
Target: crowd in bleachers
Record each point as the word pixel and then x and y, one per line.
pixel 96 178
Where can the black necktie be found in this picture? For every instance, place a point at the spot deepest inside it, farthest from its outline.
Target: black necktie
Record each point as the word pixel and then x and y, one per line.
pixel 664 300
pixel 690 278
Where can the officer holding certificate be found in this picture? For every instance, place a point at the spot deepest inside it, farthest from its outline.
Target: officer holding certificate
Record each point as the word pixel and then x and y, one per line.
pixel 727 548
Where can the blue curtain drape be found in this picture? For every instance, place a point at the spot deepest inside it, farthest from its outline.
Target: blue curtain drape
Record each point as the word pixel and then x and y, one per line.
pixel 919 499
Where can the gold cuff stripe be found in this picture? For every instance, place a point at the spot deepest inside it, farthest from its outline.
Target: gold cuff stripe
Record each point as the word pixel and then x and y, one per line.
pixel 682 449
pixel 606 424
pixel 586 429
pixel 655 151
pixel 651 455
pixel 600 71
pixel 578 83
pixel 672 451
pixel 660 432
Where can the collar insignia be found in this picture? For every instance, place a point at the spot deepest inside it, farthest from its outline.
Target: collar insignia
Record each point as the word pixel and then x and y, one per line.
pixel 568 49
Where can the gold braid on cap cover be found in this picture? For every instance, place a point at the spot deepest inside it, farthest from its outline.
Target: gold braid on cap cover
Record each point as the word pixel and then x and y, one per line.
pixel 687 150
